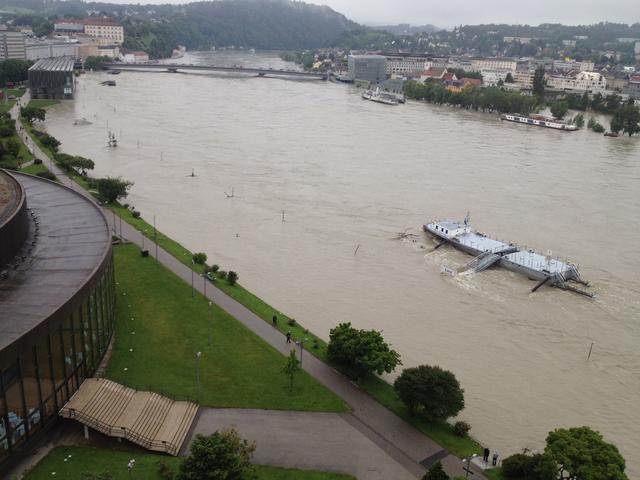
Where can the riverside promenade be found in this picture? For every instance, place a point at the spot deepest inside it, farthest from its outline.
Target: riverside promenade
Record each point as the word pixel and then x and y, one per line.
pixel 401 443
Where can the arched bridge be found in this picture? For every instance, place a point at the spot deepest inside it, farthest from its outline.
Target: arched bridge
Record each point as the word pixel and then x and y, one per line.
pixel 260 72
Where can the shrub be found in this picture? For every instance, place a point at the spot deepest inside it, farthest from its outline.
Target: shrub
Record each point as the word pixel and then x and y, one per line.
pixel 47 174
pixel 199 258
pixel 232 277
pixel 215 268
pixel 598 128
pixel 436 472
pixel 461 428
pixel 50 142
pixel 37 161
pixel 165 471
pixel 125 205
pixel 222 274
pixel 291 322
pixel 220 456
pixel 6 130
pixel 431 391
pixel 135 214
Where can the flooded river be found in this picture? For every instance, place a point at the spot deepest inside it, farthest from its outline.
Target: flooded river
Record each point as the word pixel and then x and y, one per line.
pixel 350 175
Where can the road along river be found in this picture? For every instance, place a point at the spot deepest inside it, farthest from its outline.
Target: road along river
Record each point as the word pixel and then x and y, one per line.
pixel 351 174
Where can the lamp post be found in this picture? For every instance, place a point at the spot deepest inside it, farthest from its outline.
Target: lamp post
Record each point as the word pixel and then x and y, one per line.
pixel 198 356
pixel 210 321
pixel 302 348
pixel 468 461
pixel 130 466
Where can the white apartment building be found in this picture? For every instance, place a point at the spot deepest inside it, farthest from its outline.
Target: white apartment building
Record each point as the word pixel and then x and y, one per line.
pixel 12 45
pixel 524 79
pixel 38 50
pixel 105 30
pixel 491 78
pixel 583 81
pixel 522 40
pixel 501 63
pixel 408 64
pixel 565 65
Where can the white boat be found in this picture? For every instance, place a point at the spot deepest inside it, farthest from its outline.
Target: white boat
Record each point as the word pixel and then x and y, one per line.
pixel 379 97
pixel 538 121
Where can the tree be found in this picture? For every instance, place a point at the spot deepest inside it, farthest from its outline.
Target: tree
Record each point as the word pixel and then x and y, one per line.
pixel 220 456
pixel 431 391
pixel 30 114
pixel 559 109
pixel 584 101
pixel 360 352
pixel 581 453
pixel 578 120
pixel 436 472
pixel 627 119
pixel 111 189
pixel 291 368
pixel 538 81
pixel 95 63
pixel 199 258
pixel 509 78
pixel 232 277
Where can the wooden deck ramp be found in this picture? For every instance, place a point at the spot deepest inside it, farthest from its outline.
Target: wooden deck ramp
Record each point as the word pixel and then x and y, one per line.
pixel 145 418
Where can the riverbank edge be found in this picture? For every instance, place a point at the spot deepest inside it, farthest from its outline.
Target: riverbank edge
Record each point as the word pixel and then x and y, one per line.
pixel 376 387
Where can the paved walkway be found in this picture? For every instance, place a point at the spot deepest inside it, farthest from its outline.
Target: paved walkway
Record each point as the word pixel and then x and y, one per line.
pixel 401 441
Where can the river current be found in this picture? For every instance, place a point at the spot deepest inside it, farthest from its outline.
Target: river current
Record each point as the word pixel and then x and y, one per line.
pixel 350 176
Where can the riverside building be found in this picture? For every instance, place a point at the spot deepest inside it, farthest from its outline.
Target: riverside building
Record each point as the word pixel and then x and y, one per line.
pixel 368 68
pixel 57 304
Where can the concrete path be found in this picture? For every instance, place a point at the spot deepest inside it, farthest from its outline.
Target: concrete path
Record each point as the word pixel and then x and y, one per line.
pixel 306 440
pixel 398 439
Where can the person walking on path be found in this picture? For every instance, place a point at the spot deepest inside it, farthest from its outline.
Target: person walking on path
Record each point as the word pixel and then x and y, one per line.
pixel 485 457
pixel 288 337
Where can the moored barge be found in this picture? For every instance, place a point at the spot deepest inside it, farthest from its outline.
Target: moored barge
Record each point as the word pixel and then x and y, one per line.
pixel 538 121
pixel 488 251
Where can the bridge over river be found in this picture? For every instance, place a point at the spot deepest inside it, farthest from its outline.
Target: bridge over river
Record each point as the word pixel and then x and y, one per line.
pixel 175 68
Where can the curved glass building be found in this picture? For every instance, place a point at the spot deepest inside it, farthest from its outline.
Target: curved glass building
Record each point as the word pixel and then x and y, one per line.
pixel 57 303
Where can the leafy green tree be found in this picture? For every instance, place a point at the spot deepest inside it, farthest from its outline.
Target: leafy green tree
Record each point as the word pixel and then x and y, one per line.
pixel 111 189
pixel 538 81
pixel 627 119
pixel 436 472
pixel 49 141
pixel 232 277
pixel 199 258
pixel 291 368
pixel 581 453
pixel 584 101
pixel 220 456
pixel 12 147
pixel 509 78
pixel 360 352
pixel 559 109
pixel 578 120
pixel 96 63
pixel 430 391
pixel 14 70
pixel 30 114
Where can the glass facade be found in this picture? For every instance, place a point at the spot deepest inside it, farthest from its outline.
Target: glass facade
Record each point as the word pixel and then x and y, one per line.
pixel 36 384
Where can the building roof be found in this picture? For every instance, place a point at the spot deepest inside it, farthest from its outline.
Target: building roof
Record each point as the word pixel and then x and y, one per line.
pixel 435 72
pixel 57 64
pixel 368 57
pixel 71 242
pixel 105 22
pixel 476 82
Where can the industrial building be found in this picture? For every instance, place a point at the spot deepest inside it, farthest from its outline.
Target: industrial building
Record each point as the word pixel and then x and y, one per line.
pixel 52 78
pixel 368 68
pixel 57 304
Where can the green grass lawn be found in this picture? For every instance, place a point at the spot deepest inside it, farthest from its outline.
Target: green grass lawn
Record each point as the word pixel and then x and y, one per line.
pixel 42 103
pixel 91 460
pixel 494 474
pixel 376 387
pixel 34 169
pixel 238 369
pixel 6 105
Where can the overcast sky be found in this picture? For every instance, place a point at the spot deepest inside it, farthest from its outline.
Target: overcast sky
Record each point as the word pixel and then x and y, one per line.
pixel 456 12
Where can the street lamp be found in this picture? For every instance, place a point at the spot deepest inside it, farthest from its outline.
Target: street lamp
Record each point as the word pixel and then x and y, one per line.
pixel 130 466
pixel 198 355
pixel 301 343
pixel 468 460
pixel 210 321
